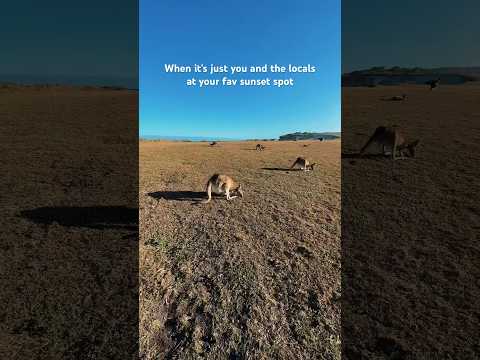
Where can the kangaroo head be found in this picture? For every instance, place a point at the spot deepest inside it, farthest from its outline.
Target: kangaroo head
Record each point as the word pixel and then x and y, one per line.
pixel 239 190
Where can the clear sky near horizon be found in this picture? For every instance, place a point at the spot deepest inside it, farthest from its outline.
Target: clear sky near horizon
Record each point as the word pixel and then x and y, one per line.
pixel 239 33
pixel 410 33
pixel 58 40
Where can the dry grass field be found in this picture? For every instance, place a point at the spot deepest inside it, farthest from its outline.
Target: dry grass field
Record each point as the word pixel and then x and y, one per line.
pixel 68 213
pixel 410 250
pixel 253 278
pixel 256 277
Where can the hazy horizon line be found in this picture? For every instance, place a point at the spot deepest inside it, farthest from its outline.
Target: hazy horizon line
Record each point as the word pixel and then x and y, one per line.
pixel 225 138
pixel 71 80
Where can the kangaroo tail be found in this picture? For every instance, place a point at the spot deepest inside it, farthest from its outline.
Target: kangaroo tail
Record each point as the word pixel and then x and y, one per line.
pixel 378 131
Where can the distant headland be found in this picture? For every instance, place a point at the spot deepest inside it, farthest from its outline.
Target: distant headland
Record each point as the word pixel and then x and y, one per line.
pixel 310 136
pixel 396 75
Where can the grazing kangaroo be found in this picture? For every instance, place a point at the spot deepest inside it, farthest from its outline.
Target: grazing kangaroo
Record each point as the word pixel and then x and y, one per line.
pixel 303 164
pixel 392 138
pixel 433 83
pixel 260 147
pixel 223 184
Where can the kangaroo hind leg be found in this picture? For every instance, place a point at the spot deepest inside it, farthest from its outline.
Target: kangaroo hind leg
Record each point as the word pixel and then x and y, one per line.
pixel 227 191
pixel 209 193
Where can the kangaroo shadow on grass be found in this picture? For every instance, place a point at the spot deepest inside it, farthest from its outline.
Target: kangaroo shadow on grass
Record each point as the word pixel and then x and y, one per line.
pixel 93 217
pixel 179 195
pixel 365 156
pixel 280 169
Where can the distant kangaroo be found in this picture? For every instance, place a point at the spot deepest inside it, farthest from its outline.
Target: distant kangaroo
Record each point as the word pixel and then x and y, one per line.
pixel 433 83
pixel 303 164
pixel 260 147
pixel 392 138
pixel 223 184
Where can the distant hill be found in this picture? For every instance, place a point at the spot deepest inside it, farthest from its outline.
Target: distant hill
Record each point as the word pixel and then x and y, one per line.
pixel 310 136
pixel 396 75
pixel 473 72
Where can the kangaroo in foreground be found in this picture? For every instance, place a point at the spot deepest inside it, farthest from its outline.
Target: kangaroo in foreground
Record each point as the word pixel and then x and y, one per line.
pixel 303 163
pixel 260 147
pixel 392 138
pixel 223 184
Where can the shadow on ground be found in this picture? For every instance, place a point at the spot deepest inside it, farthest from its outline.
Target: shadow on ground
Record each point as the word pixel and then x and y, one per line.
pixel 179 195
pixel 279 169
pixel 95 217
pixel 365 156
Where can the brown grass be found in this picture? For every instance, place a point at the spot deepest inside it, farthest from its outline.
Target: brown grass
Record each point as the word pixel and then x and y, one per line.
pixel 257 277
pixel 410 228
pixel 68 289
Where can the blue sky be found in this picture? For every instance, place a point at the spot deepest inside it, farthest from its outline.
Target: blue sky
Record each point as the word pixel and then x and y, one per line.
pixel 410 33
pixel 57 40
pixel 239 33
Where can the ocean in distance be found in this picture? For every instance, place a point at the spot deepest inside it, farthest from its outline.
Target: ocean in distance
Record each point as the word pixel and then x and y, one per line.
pixel 186 138
pixel 22 79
